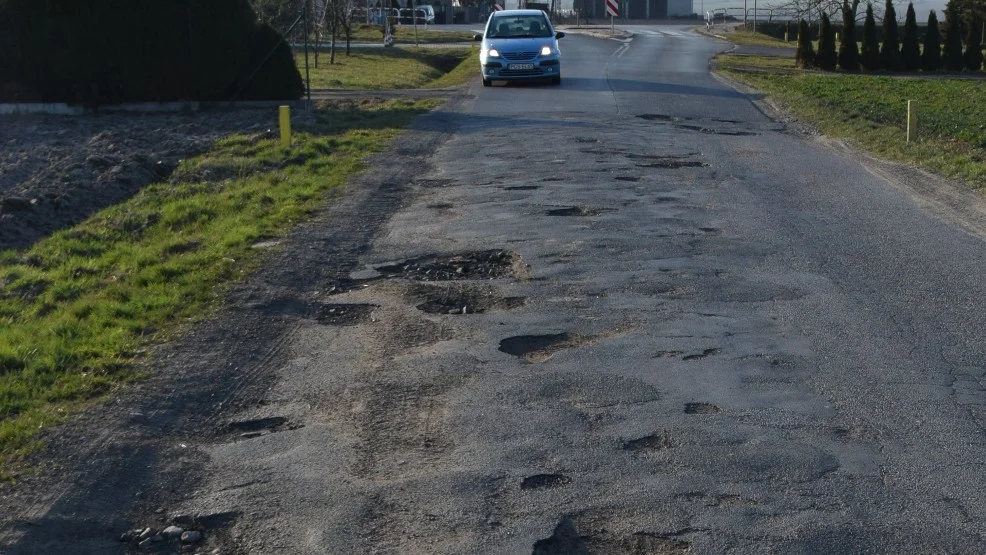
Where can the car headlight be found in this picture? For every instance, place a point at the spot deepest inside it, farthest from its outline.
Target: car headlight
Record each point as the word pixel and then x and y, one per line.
pixel 546 51
pixel 492 53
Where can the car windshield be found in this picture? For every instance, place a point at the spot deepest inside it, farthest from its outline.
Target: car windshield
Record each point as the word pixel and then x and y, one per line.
pixel 519 26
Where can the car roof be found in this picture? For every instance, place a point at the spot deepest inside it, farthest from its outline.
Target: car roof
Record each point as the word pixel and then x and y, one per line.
pixel 508 13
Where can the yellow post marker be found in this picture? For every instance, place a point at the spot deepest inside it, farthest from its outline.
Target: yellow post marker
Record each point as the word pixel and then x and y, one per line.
pixel 285 113
pixel 912 121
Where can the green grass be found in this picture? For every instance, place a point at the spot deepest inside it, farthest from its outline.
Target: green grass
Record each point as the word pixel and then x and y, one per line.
pixel 405 33
pixel 391 68
pixel 80 309
pixel 871 112
pixel 749 38
pixel 742 62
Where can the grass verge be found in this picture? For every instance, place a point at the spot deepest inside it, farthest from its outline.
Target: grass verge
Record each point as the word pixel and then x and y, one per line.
pixel 79 310
pixel 871 112
pixel 405 33
pixel 749 38
pixel 391 68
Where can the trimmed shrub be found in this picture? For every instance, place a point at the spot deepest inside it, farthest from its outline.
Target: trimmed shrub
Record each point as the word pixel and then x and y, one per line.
pixel 931 57
pixel 890 49
pixel 827 56
pixel 848 49
pixel 805 56
pixel 952 56
pixel 910 48
pixel 276 77
pixel 97 52
pixel 973 46
pixel 871 43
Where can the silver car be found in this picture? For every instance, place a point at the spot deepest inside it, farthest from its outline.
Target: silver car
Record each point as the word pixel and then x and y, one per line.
pixel 519 44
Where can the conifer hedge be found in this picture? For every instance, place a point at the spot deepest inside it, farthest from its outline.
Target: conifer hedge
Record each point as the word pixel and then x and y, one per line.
pixel 890 47
pixel 871 42
pixel 827 56
pixel 97 52
pixel 910 49
pixel 931 56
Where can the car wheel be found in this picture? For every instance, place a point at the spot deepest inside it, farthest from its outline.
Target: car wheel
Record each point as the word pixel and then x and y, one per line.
pixel 487 82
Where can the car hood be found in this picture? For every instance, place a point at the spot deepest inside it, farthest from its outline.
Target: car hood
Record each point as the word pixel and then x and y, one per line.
pixel 520 44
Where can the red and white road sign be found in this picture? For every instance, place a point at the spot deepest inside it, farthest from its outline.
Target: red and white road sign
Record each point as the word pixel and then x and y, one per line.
pixel 612 8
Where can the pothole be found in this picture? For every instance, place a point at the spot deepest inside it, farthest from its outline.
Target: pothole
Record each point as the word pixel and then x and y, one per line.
pixel 712 131
pixel 668 354
pixel 522 188
pixel 440 205
pixel 630 178
pixel 489 264
pixel 710 230
pixel 551 179
pixel 580 211
pixel 665 199
pixel 462 300
pixel 673 164
pixel 656 117
pixel 701 408
pixel 586 140
pixel 539 348
pixel 545 481
pixel 716 500
pixel 654 442
pixel 258 426
pixel 704 354
pixel 434 183
pixel 342 314
pixel 570 538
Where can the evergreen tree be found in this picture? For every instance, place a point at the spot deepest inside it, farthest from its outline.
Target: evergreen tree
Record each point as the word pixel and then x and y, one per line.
pixel 827 56
pixel 910 50
pixel 973 46
pixel 931 57
pixel 848 49
pixel 952 56
pixel 871 43
pixel 890 49
pixel 805 56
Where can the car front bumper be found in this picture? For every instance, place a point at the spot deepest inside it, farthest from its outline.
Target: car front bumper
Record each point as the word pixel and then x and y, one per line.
pixel 505 70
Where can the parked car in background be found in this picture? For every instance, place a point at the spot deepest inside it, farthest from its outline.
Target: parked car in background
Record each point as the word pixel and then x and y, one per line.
pixel 422 15
pixel 519 44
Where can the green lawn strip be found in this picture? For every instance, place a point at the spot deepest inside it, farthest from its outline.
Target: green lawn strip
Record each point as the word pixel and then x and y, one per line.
pixel 871 112
pixel 387 68
pixel 405 33
pixel 743 62
pixel 749 38
pixel 79 309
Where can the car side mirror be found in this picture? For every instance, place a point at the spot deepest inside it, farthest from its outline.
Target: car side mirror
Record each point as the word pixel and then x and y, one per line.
pixel 477 38
pixel 560 35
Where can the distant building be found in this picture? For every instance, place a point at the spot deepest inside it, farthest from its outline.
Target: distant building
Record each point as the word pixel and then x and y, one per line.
pixel 630 9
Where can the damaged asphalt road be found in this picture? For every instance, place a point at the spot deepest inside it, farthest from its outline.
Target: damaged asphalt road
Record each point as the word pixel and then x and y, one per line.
pixel 628 315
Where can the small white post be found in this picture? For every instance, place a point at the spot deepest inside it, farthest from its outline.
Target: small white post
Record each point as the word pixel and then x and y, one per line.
pixel 912 121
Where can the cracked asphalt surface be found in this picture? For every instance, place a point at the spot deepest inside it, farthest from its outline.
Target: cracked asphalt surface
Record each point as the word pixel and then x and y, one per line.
pixel 629 314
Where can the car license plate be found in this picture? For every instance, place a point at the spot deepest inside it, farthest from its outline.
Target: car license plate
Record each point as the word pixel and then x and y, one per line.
pixel 520 66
